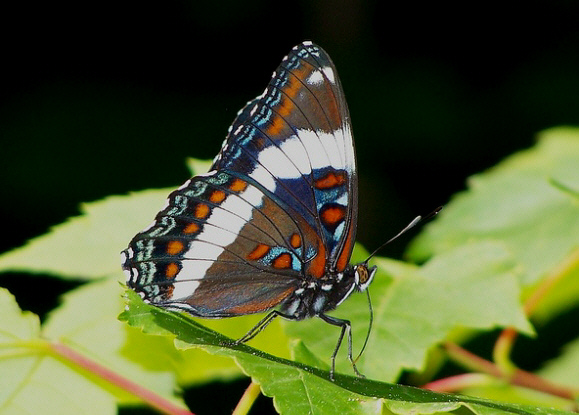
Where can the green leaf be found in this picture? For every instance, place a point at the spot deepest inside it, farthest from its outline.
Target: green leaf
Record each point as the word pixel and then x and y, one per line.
pixel 197 166
pixel 565 368
pixel 87 322
pixel 414 308
pixel 276 342
pixel 529 202
pixel 16 325
pixel 89 246
pixel 565 293
pixel 296 391
pixel 198 367
pixel 298 388
pixel 32 380
pixel 498 390
pixel 405 408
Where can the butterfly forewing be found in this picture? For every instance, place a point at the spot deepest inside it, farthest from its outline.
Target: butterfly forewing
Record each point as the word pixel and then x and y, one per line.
pixel 295 139
pixel 277 208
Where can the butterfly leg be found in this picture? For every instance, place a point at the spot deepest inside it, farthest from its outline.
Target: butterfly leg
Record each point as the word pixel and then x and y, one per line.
pixel 346 328
pixel 263 323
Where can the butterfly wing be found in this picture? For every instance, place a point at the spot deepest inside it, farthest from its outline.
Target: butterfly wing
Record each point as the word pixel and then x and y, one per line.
pixel 277 207
pixel 221 247
pixel 296 140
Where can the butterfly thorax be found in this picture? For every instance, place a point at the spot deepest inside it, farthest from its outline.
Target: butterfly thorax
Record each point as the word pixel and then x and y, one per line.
pixel 315 297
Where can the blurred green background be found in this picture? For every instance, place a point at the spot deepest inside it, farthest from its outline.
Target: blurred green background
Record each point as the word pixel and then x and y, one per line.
pixel 102 98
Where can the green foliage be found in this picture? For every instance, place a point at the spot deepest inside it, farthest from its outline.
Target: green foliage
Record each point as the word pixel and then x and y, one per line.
pixel 299 387
pixel 32 380
pixel 419 306
pixel 514 231
pixel 529 202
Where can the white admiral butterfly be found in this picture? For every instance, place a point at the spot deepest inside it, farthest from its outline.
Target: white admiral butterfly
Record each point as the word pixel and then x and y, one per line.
pixel 273 222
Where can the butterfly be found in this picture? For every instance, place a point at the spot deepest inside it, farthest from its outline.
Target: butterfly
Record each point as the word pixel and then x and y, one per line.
pixel 271 226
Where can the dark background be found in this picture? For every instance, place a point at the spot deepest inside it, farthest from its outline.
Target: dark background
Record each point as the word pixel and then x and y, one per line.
pixel 101 98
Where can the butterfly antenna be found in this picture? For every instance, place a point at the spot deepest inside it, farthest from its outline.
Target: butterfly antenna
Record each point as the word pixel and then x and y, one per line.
pixel 411 225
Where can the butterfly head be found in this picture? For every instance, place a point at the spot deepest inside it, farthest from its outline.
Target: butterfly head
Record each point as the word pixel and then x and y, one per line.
pixel 363 275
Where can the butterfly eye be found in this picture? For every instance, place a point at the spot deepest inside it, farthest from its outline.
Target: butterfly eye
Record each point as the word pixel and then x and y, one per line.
pixel 363 276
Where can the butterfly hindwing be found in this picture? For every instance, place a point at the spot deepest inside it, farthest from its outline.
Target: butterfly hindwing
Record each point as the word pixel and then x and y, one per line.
pixel 216 251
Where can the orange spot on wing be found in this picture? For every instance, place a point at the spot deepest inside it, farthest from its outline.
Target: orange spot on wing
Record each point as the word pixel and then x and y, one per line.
pixel 191 228
pixel 175 247
pixel 333 215
pixel 330 180
pixel 238 185
pixel 294 85
pixel 259 252
pixel 317 266
pixel 295 241
pixel 171 270
pixel 276 126
pixel 217 196
pixel 282 261
pixel 346 253
pixel 286 106
pixel 201 211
